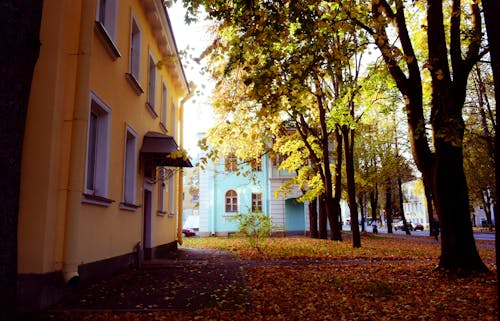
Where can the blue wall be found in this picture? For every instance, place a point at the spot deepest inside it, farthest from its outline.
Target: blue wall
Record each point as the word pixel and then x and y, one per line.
pixel 244 186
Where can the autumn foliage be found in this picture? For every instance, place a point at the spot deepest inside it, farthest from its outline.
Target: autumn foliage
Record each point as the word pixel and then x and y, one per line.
pixel 389 278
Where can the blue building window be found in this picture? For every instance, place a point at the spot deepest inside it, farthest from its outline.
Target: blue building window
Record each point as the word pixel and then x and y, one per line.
pixel 256 202
pixel 231 163
pixel 231 201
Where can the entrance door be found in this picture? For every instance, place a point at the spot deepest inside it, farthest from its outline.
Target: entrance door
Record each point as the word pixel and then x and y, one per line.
pixel 147 226
pixel 295 218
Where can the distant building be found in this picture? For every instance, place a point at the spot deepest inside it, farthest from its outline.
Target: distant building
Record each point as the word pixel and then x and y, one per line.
pixel 415 203
pixel 224 193
pixel 100 181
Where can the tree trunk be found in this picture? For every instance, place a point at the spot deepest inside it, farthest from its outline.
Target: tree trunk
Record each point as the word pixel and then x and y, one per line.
pixel 491 9
pixel 337 231
pixel 388 207
pixel 362 210
pixel 403 217
pixel 458 248
pixel 374 202
pixel 351 188
pixel 430 205
pixel 313 218
pixel 20 29
pixel 322 218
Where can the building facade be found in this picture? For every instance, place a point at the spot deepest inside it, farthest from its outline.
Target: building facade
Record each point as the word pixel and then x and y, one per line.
pixel 101 183
pixel 225 191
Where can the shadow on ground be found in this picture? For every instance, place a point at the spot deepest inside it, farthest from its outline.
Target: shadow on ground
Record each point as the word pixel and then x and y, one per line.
pixel 189 280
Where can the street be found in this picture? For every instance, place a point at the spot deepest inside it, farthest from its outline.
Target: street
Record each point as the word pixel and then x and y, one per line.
pixel 483 236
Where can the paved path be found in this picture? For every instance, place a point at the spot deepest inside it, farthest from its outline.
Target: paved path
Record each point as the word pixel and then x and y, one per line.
pixel 189 280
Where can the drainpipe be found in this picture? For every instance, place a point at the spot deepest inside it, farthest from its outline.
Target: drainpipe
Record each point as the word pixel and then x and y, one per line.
pixel 78 145
pixel 180 187
pixel 211 201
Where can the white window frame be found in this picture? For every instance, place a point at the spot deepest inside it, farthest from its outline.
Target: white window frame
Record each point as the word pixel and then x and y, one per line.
pixel 164 104
pixel 173 109
pixel 99 166
pixel 135 49
pixel 231 201
pixel 171 196
pixel 231 163
pixel 152 85
pixel 130 168
pixel 161 191
pixel 107 15
pixel 256 202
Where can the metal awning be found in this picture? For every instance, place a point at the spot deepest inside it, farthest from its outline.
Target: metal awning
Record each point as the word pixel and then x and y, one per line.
pixel 157 148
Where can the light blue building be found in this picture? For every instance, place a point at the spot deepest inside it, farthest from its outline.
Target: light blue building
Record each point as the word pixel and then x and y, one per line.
pixel 224 193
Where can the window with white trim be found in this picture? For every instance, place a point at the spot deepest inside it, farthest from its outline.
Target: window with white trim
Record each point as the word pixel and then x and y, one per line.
pixel 171 195
pixel 172 119
pixel 152 85
pixel 130 167
pixel 231 163
pixel 164 104
pixel 107 16
pixel 162 173
pixel 135 49
pixel 231 201
pixel 256 202
pixel 97 163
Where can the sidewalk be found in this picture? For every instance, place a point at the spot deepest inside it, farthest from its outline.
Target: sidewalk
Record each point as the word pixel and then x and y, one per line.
pixel 190 280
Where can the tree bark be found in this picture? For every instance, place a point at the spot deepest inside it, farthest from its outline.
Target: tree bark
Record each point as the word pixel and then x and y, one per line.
pixel 337 235
pixel 445 166
pixel 388 207
pixel 348 135
pixel 323 234
pixel 374 202
pixel 313 218
pixel 491 9
pixel 403 217
pixel 361 201
pixel 458 247
pixel 20 29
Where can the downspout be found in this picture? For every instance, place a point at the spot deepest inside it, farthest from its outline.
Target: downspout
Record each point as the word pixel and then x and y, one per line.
pixel 180 187
pixel 78 145
pixel 211 198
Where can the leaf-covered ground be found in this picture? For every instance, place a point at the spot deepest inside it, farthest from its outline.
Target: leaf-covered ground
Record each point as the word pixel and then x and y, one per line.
pixel 389 278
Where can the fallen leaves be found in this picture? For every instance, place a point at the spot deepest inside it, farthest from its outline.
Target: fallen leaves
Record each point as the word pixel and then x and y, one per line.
pixel 389 278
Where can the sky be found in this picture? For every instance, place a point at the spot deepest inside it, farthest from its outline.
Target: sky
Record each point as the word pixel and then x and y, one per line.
pixel 197 111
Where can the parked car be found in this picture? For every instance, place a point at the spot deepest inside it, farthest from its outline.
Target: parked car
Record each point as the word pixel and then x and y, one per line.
pixel 400 227
pixel 188 232
pixel 418 227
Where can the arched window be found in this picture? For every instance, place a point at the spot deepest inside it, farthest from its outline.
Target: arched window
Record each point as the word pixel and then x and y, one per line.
pixel 231 201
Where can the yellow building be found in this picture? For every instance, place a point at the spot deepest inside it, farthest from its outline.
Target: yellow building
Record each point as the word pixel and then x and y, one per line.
pixel 101 182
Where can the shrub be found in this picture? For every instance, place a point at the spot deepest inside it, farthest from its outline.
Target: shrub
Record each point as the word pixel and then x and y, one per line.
pixel 256 226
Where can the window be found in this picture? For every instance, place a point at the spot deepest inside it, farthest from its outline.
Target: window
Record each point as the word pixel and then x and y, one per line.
pixel 106 15
pixel 152 86
pixel 164 103
pixel 256 202
pixel 256 165
pixel 172 119
pixel 135 50
pixel 277 160
pixel 171 195
pixel 97 166
pixel 106 25
pixel 231 163
pixel 231 201
pixel 162 171
pixel 129 176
